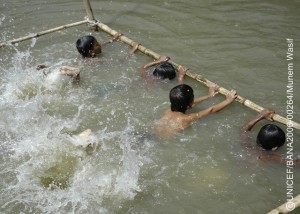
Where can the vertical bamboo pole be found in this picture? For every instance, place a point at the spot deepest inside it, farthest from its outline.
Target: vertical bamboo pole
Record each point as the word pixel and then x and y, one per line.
pixel 90 14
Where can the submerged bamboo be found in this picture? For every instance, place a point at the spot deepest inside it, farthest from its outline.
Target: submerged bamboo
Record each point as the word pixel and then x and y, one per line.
pixel 287 207
pixel 34 35
pixel 198 77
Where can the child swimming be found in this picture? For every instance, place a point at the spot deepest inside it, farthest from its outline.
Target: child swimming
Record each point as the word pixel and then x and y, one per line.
pixel 181 97
pixel 270 138
pixel 54 74
pixel 89 47
pixel 163 69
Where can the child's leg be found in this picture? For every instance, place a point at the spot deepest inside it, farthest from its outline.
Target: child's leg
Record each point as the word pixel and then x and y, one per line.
pixel 72 72
pixel 42 67
pixel 85 133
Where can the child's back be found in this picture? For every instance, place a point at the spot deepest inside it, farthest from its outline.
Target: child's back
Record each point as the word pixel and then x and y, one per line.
pixel 170 123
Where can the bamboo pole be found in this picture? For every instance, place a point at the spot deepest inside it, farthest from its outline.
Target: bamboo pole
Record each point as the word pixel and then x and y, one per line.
pixel 89 9
pixel 42 33
pixel 198 77
pixel 287 207
pixel 90 14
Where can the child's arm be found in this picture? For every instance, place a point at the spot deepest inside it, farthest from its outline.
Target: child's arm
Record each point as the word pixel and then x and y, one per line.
pixel 215 108
pixel 115 37
pixel 266 157
pixel 182 71
pixel 73 72
pixel 264 114
pixel 133 50
pixel 110 60
pixel 143 68
pixel 212 91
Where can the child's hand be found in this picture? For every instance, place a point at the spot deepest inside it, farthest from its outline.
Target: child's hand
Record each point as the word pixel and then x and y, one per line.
pixel 116 36
pixel 231 96
pixel 212 91
pixel 182 70
pixel 41 66
pixel 267 113
pixel 163 58
pixel 134 47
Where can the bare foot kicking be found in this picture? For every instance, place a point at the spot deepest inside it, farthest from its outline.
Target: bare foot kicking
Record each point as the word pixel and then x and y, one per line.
pixel 68 70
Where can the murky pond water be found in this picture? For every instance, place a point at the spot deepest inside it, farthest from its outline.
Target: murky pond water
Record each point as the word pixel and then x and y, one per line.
pixel 237 44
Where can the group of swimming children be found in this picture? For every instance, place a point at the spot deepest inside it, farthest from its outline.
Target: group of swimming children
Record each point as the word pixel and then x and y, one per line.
pixel 175 118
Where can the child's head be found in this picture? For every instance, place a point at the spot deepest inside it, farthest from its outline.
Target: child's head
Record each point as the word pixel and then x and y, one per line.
pixel 164 70
pixel 270 137
pixel 88 46
pixel 181 98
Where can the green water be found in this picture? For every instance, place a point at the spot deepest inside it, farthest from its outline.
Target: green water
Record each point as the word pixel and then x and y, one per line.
pixel 239 45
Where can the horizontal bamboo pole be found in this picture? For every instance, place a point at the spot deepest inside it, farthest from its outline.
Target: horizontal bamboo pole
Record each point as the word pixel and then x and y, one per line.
pixel 197 77
pixel 42 33
pixel 287 207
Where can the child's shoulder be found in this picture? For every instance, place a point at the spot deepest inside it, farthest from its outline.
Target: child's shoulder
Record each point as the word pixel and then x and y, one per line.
pixel 175 116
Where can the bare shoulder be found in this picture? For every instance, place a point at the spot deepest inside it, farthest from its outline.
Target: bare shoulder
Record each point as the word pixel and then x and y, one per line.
pixel 170 123
pixel 172 115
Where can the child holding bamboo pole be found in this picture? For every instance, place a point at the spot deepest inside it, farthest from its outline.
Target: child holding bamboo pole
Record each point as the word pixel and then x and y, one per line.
pixel 163 69
pixel 175 119
pixel 269 138
pixel 88 47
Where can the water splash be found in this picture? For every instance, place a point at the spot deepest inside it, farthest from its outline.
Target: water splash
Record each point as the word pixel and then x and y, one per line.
pixel 48 168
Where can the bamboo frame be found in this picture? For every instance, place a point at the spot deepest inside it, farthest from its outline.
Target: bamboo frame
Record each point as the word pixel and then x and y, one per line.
pixel 90 14
pixel 43 33
pixel 198 77
pixel 282 209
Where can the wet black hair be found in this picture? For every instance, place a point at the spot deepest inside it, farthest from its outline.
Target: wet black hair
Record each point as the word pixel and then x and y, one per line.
pixel 270 136
pixel 165 70
pixel 85 44
pixel 181 97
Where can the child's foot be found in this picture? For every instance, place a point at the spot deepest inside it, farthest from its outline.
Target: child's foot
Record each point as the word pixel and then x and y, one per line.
pixel 85 133
pixel 41 66
pixel 68 70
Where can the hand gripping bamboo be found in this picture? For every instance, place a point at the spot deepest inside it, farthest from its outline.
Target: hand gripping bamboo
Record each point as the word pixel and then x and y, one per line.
pixel 198 77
